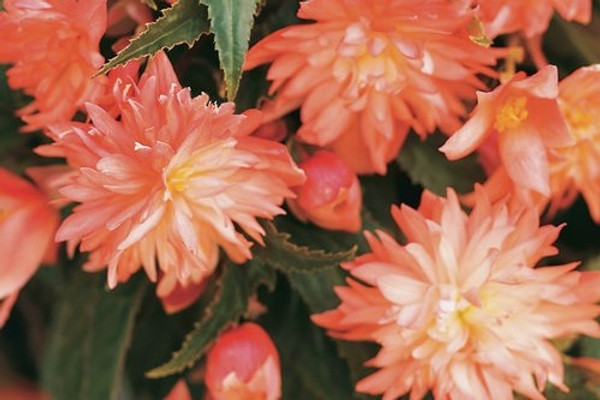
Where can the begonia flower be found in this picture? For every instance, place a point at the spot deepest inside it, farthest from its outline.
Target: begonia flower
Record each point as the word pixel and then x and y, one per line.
pixel 364 72
pixel 573 169
pixel 27 227
pixel 529 17
pixel 463 309
pixel 523 115
pixel 331 197
pixel 53 46
pixel 243 364
pixel 170 182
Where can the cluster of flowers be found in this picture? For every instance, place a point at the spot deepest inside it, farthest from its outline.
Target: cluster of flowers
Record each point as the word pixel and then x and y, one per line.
pixel 163 181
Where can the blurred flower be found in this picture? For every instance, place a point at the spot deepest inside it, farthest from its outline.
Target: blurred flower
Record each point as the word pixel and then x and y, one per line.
pixel 331 197
pixel 179 392
pixel 461 309
pixel 179 297
pixel 530 17
pixel 576 169
pixel 169 182
pixel 524 117
pixel 27 226
pixel 243 364
pixel 54 48
pixel 21 391
pixel 365 72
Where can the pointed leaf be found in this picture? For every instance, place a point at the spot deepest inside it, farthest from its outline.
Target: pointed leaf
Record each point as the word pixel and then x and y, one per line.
pixel 90 338
pixel 234 287
pixel 184 22
pixel 279 252
pixel 426 165
pixel 231 22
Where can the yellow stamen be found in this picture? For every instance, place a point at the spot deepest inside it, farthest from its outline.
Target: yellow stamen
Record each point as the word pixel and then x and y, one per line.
pixel 579 121
pixel 513 112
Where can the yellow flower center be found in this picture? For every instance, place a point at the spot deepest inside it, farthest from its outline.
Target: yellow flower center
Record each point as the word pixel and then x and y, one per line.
pixel 512 114
pixel 177 180
pixel 580 122
pixel 370 60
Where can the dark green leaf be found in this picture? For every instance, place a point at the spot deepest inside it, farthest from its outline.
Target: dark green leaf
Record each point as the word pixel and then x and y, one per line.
pixel 231 22
pixel 279 252
pixel 234 287
pixel 184 22
pixel 580 387
pixel 426 165
pixel 310 365
pixel 90 338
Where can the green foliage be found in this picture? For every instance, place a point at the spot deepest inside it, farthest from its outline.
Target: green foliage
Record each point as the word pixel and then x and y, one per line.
pixel 89 339
pixel 184 22
pixel 311 368
pixel 230 300
pixel 426 165
pixel 280 253
pixel 231 22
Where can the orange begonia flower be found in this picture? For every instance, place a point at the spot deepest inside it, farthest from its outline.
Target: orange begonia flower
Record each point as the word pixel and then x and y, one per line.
pixel 531 17
pixel 523 115
pixel 331 197
pixel 169 182
pixel 462 309
pixel 54 48
pixel 366 71
pixel 27 227
pixel 243 364
pixel 573 169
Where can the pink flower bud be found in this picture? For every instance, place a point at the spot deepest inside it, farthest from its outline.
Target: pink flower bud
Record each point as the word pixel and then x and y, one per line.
pixel 179 392
pixel 243 364
pixel 331 196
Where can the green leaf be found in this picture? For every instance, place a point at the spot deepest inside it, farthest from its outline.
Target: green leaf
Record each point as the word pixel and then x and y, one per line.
pixel 280 253
pixel 234 287
pixel 231 22
pixel 90 337
pixel 184 22
pixel 426 165
pixel 309 362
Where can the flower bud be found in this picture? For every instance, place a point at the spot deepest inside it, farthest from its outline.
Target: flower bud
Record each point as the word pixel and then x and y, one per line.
pixel 243 364
pixel 331 196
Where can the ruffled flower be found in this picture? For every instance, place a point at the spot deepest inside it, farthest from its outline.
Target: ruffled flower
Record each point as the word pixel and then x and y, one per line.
pixel 27 227
pixel 529 17
pixel 331 197
pixel 243 364
pixel 54 48
pixel 462 309
pixel 365 72
pixel 169 182
pixel 524 117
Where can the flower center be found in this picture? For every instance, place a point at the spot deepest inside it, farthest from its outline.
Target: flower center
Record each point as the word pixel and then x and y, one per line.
pixel 369 59
pixel 580 122
pixel 448 314
pixel 512 114
pixel 178 180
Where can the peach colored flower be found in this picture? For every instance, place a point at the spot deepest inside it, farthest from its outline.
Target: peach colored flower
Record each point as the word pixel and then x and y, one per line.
pixel 331 197
pixel 27 226
pixel 243 364
pixel 524 117
pixel 462 309
pixel 576 169
pixel 169 182
pixel 573 169
pixel 365 72
pixel 53 46
pixel 530 17
pixel 179 392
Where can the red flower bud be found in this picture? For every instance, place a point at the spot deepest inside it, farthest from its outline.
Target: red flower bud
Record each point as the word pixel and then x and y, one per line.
pixel 331 196
pixel 243 364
